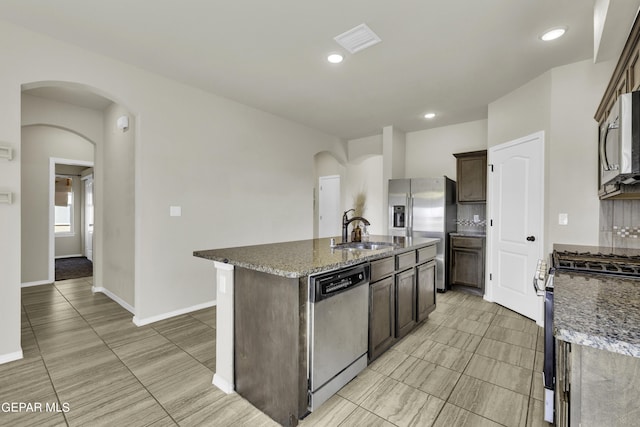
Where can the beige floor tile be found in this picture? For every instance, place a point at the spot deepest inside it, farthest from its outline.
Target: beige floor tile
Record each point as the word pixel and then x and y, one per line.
pixel 426 376
pixel 428 413
pixel 455 338
pixel 467 325
pixel 535 417
pixel 396 402
pixel 470 313
pixel 451 416
pixel 33 419
pixel 361 386
pixel 388 362
pixel 538 365
pixel 537 386
pixel 511 336
pixel 135 408
pixel 443 355
pixel 206 316
pixel 410 343
pixel 361 417
pixel 490 401
pixel 500 373
pixel 333 412
pixel 99 360
pixel 505 352
pixel 520 324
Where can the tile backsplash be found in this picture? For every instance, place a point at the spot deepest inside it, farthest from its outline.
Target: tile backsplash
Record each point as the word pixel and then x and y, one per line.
pixel 620 224
pixel 466 222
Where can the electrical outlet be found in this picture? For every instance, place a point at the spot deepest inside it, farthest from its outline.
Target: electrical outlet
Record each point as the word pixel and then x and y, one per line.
pixel 563 219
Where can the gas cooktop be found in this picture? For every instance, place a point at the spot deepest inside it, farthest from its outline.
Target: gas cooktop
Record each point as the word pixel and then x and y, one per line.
pixel 623 262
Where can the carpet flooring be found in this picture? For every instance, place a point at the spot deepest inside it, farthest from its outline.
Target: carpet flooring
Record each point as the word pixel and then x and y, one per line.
pixel 73 268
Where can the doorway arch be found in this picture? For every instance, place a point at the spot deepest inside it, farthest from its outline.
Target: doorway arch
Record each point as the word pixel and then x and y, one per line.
pixel 92 114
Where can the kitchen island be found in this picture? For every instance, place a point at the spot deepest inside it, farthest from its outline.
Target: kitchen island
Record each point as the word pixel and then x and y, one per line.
pixel 261 342
pixel 597 328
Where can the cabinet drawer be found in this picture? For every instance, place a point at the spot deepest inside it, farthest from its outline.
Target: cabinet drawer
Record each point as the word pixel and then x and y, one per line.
pixel 405 260
pixel 467 242
pixel 425 254
pixel 381 268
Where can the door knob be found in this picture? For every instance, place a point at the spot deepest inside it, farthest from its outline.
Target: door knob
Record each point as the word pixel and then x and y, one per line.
pixel 531 238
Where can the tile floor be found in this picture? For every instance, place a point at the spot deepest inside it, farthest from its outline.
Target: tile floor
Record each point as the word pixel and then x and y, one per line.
pixel 472 363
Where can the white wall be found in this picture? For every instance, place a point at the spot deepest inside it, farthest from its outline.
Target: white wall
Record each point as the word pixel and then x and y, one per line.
pixel 430 152
pixel 366 175
pixel 562 103
pixel 241 176
pixel 117 202
pixel 39 144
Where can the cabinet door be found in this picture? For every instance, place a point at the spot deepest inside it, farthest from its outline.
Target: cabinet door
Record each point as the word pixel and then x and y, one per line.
pixel 426 289
pixel 472 178
pixel 381 316
pixel 466 267
pixel 405 302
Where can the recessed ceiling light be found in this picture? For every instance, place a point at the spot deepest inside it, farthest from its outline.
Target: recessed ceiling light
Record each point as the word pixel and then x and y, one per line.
pixel 553 33
pixel 429 115
pixel 335 58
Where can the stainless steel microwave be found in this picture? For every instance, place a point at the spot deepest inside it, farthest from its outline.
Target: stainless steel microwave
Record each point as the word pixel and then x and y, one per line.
pixel 620 142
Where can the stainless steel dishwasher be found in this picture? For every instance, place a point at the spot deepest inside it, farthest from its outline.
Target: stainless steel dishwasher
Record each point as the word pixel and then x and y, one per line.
pixel 337 336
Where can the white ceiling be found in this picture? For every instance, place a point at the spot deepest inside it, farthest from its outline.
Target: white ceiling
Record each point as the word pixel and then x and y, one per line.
pixel 452 57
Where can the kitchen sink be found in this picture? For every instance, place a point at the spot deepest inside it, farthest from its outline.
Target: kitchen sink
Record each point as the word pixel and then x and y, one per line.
pixel 371 246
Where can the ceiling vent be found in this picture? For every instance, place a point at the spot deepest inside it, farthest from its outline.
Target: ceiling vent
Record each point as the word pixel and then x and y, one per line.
pixel 357 39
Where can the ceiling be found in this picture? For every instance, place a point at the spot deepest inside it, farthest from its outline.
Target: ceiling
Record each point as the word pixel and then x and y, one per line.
pixel 451 57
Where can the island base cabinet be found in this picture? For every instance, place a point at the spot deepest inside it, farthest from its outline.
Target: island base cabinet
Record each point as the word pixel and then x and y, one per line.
pixel 382 316
pixel 602 388
pixel 426 284
pixel 270 343
pixel 405 302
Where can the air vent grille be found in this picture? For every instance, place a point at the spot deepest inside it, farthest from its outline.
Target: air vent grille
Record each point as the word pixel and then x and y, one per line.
pixel 358 38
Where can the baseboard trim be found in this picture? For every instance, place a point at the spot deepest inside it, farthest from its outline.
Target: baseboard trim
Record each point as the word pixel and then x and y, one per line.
pixel 36 283
pixel 223 384
pixel 10 357
pixel 145 321
pixel 114 297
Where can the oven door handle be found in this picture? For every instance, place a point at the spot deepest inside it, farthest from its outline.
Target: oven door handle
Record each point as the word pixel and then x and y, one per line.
pixel 538 278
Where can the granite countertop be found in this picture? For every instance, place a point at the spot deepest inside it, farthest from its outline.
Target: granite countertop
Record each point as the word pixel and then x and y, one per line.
pixel 304 257
pixel 469 234
pixel 598 311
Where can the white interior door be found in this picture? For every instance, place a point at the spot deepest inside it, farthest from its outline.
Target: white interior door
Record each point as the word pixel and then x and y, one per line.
pixel 330 215
pixel 516 209
pixel 88 217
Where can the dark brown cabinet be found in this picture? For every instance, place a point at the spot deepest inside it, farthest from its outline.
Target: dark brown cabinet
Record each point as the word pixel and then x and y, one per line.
pixel 406 318
pixel 382 316
pixel 426 285
pixel 467 261
pixel 471 174
pixel 402 293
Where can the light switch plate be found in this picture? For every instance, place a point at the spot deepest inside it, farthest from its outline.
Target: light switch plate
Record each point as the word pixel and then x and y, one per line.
pixel 563 219
pixel 175 210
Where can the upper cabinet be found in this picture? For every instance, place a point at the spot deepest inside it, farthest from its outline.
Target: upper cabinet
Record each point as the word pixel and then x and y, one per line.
pixel 625 78
pixel 471 174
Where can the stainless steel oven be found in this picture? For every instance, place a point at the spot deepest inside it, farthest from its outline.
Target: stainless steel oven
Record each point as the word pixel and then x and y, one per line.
pixel 543 284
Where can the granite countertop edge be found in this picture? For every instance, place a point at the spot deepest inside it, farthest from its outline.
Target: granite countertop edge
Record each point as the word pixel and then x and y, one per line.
pixel 598 311
pixel 302 258
pixel 598 342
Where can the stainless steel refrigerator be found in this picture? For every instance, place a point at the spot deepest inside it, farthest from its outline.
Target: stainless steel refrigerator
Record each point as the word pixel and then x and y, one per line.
pixel 425 207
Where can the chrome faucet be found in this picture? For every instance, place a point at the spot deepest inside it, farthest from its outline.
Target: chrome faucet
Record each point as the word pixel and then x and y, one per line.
pixel 346 221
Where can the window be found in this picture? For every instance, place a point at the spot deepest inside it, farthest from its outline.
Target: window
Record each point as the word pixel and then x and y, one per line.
pixel 63 211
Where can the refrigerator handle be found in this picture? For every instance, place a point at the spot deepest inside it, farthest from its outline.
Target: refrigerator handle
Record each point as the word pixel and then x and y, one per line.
pixel 410 215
